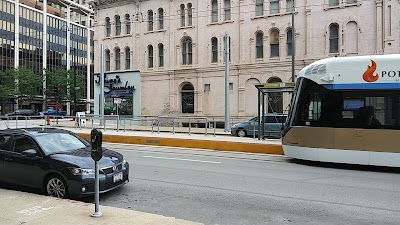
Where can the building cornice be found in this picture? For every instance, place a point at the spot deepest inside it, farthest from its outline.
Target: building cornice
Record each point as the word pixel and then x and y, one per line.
pixel 103 4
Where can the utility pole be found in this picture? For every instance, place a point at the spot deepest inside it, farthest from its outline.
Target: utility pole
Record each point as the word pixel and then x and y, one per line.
pixel 293 41
pixel 101 97
pixel 75 65
pixel 227 111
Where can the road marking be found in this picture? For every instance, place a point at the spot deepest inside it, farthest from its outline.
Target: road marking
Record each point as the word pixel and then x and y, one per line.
pixel 192 160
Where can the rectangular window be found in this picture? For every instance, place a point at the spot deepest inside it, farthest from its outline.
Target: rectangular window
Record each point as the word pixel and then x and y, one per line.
pixel 160 55
pixel 207 87
pixel 289 5
pixel 334 39
pixel 374 109
pixel 214 11
pixel 351 1
pixel 127 59
pixel 289 42
pixel 259 7
pixel 190 15
pixel 227 9
pixel 231 86
pixel 274 6
pixel 333 2
pixel 390 20
pixel 182 15
pixel 150 57
pixel 214 50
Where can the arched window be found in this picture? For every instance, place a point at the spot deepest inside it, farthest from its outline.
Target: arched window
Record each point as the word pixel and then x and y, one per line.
pixel 289 41
pixel 150 19
pixel 187 51
pixel 160 55
pixel 160 19
pixel 182 15
pixel 190 14
pixel 259 7
pixel 108 27
pixel 117 25
pixel 352 38
pixel 275 100
pixel 334 38
pixel 214 50
pixel 274 43
pixel 187 101
pixel 127 58
pixel 127 24
pixel 259 45
pixel 108 60
pixel 227 9
pixel 117 59
pixel 214 11
pixel 150 52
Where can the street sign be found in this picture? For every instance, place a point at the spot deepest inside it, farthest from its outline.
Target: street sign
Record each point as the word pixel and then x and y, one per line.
pixel 117 100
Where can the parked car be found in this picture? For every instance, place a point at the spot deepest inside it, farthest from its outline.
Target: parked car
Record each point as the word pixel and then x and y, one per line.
pixel 53 112
pixel 58 162
pixel 273 124
pixel 21 112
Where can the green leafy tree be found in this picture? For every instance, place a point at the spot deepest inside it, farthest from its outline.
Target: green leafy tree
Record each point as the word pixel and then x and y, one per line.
pixel 7 85
pixel 29 84
pixel 63 79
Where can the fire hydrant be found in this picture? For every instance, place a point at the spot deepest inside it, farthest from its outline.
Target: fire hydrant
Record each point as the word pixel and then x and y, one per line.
pixel 48 120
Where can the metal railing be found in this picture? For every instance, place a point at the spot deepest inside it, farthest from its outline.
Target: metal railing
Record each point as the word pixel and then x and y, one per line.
pixel 174 124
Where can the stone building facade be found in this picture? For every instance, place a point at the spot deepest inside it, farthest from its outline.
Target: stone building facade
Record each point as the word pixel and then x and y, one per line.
pixel 178 46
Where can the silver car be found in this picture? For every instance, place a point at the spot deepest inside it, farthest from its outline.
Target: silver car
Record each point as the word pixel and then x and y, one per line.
pixel 272 126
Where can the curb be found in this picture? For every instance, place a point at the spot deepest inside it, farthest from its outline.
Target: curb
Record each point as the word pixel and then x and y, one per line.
pixel 192 143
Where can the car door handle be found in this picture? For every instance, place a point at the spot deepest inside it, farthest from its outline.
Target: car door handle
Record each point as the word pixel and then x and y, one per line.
pixel 8 159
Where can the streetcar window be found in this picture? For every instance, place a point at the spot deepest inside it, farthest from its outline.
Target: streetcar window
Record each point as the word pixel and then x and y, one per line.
pixel 321 107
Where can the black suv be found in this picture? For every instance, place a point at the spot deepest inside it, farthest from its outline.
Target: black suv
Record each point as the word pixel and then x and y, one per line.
pixel 58 162
pixel 21 112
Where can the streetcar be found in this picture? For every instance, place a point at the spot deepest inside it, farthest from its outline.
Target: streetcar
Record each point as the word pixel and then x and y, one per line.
pixel 346 110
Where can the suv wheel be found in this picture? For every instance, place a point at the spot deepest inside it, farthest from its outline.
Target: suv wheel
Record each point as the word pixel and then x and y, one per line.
pixel 241 133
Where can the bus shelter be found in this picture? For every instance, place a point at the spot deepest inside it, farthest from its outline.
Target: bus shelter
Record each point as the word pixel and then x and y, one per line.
pixel 263 100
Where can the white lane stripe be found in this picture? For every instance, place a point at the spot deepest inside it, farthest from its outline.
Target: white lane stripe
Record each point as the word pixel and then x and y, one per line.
pixel 192 160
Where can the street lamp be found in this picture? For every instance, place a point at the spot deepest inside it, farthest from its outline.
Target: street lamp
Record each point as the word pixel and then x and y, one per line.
pixel 75 65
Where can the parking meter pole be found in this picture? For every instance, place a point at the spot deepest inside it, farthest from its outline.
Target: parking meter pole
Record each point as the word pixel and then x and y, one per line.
pixel 96 213
pixel 96 139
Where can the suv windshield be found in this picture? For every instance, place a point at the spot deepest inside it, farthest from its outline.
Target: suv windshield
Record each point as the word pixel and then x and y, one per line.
pixel 59 142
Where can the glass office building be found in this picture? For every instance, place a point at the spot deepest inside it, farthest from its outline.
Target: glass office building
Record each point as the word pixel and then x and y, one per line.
pixel 28 42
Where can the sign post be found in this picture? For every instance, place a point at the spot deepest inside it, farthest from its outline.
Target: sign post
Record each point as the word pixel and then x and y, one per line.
pixel 96 139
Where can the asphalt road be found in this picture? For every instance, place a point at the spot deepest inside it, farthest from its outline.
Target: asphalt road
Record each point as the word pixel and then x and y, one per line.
pixel 238 188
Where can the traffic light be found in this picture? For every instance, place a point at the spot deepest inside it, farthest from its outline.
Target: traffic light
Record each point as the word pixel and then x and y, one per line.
pixel 57 91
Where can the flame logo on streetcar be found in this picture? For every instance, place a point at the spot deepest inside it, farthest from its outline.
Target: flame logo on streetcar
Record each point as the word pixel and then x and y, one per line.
pixel 369 75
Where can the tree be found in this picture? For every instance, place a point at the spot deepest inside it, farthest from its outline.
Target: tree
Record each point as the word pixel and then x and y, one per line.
pixel 64 78
pixel 29 84
pixel 7 86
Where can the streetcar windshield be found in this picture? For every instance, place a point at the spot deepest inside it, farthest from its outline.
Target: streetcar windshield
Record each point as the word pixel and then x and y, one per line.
pixel 317 106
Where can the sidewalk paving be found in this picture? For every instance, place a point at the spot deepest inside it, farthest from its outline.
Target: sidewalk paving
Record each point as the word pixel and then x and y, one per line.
pixel 32 209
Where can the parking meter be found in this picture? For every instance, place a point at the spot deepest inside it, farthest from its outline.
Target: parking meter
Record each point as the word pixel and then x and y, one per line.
pixel 96 139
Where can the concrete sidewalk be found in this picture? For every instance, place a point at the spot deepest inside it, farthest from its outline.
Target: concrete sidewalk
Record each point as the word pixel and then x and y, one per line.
pixel 31 209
